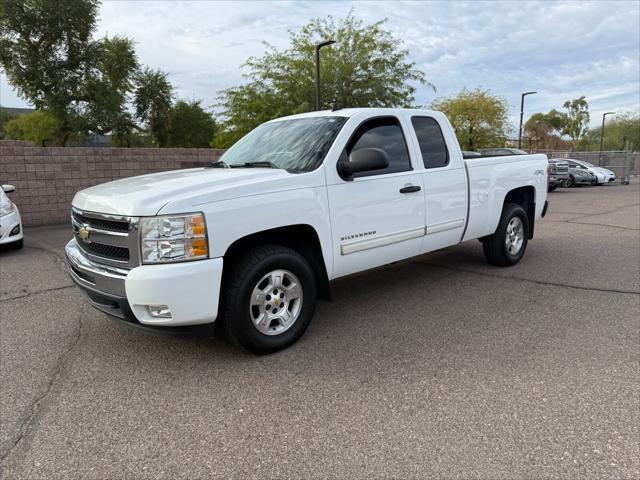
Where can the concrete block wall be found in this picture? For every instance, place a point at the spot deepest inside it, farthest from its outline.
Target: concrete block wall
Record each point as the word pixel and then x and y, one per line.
pixel 46 178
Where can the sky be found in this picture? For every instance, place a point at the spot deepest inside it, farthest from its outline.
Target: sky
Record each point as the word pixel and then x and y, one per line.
pixel 561 49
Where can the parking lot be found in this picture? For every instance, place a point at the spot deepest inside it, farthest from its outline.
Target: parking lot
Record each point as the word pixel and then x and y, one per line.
pixel 437 367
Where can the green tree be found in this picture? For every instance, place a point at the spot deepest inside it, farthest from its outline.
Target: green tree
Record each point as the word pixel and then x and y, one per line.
pixel 47 51
pixel 188 125
pixel 621 132
pixel 107 90
pixel 577 118
pixel 39 127
pixel 50 56
pixel 544 130
pixel 4 118
pixel 153 98
pixel 478 117
pixel 366 67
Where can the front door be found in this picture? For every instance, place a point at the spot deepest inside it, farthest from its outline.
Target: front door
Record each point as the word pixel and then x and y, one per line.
pixel 379 216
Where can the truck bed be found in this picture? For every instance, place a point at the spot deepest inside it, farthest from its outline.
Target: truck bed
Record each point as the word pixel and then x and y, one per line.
pixel 490 178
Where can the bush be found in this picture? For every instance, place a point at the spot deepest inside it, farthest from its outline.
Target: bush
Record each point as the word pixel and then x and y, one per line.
pixel 39 127
pixel 189 125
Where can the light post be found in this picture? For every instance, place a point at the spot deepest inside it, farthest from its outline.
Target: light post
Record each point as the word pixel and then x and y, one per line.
pixel 521 115
pixel 604 115
pixel 317 57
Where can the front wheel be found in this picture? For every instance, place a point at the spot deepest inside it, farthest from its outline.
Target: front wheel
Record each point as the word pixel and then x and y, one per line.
pixel 269 299
pixel 508 244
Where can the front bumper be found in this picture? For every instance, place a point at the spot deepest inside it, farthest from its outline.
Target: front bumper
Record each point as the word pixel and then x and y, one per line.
pixel 7 224
pixel 606 178
pixel 190 290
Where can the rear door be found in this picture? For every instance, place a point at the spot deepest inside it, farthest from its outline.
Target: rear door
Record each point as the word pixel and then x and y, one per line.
pixel 445 184
pixel 378 217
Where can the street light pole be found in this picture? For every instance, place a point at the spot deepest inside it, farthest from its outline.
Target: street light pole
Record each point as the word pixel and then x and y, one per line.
pixel 604 115
pixel 317 58
pixel 522 114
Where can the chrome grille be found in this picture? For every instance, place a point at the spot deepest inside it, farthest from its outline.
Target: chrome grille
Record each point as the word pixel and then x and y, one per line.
pixel 108 239
pixel 100 223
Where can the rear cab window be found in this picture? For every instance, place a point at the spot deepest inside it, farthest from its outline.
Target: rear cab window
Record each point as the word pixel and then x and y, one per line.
pixel 431 140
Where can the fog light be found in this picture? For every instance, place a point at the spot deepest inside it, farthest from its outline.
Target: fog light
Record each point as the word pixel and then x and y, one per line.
pixel 159 311
pixel 14 231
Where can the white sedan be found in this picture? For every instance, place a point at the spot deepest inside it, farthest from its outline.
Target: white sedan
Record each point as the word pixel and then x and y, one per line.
pixel 10 222
pixel 603 176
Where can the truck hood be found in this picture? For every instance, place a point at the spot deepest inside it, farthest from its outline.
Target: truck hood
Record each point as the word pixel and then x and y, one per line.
pixel 146 195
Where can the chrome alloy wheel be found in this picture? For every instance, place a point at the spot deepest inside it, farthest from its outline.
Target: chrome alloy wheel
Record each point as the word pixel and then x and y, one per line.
pixel 276 302
pixel 515 236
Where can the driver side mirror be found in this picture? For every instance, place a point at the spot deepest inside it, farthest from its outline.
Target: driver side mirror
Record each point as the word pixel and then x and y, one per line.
pixel 8 188
pixel 362 160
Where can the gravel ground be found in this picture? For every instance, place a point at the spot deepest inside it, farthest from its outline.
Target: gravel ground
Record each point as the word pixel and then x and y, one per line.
pixel 437 367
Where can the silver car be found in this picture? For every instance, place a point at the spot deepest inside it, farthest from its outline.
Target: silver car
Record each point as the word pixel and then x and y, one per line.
pixel 602 175
pixel 580 175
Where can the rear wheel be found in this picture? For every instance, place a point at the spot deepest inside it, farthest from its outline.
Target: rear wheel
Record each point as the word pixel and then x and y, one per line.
pixel 269 300
pixel 508 244
pixel 572 181
pixel 551 189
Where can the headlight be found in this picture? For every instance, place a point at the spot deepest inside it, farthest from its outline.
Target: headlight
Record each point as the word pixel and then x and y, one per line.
pixel 173 238
pixel 6 208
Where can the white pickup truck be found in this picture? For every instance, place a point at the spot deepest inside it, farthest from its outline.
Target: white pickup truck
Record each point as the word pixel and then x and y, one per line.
pixel 253 240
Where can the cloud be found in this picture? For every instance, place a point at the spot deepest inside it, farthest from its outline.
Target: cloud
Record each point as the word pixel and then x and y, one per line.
pixel 561 49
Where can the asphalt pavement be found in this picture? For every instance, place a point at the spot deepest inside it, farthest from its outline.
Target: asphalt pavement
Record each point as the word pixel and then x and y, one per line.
pixel 438 367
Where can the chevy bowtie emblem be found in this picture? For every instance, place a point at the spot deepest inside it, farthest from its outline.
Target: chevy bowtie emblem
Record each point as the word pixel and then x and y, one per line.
pixel 84 233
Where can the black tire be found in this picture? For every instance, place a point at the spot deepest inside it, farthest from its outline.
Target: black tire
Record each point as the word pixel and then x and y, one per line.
pixel 240 280
pixel 572 181
pixel 551 189
pixel 494 246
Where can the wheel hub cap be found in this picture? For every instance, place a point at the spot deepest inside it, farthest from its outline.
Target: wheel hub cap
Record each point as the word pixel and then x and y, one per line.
pixel 276 302
pixel 515 236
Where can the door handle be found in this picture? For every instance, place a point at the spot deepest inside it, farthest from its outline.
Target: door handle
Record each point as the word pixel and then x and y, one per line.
pixel 410 189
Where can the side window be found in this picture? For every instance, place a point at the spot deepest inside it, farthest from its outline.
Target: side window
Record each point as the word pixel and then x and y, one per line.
pixel 386 134
pixel 432 145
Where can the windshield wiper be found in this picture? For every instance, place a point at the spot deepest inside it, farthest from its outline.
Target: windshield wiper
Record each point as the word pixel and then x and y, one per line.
pixel 219 164
pixel 260 164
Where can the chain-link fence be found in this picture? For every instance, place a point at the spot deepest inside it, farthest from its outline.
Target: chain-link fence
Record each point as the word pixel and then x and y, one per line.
pixel 623 164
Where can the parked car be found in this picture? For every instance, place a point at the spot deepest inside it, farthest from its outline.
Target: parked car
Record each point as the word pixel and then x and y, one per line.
pixel 11 235
pixel 580 175
pixel 470 154
pixel 558 173
pixel 602 175
pixel 502 151
pixel 255 239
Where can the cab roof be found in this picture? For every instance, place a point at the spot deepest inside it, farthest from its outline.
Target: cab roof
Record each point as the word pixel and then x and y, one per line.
pixel 352 112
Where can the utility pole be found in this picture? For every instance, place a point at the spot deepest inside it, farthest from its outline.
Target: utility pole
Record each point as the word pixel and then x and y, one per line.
pixel 521 115
pixel 604 115
pixel 317 58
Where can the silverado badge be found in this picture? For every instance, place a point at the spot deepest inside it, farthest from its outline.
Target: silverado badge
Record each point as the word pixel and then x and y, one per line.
pixel 84 232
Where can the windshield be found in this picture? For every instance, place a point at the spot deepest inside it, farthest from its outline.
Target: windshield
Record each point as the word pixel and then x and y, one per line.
pixel 587 164
pixel 297 145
